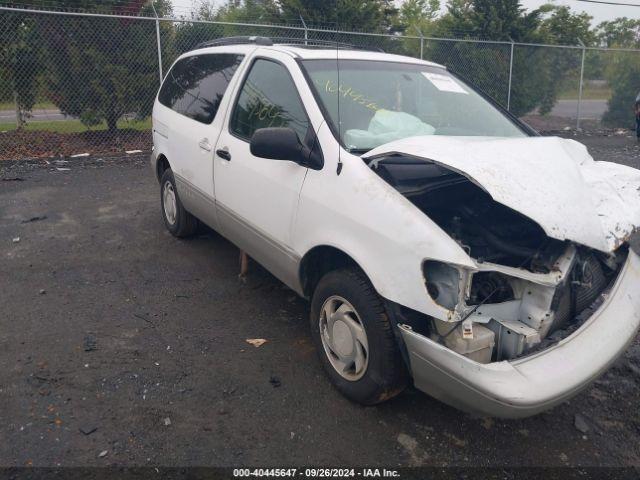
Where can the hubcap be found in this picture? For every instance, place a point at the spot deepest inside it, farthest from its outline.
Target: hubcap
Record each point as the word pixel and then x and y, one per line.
pixel 344 338
pixel 169 202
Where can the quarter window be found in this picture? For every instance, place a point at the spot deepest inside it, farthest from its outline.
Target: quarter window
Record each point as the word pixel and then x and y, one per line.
pixel 195 85
pixel 268 99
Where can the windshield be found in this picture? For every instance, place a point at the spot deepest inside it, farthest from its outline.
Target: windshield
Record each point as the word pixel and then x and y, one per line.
pixel 382 101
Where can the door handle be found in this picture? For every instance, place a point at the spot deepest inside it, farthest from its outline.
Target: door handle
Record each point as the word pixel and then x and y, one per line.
pixel 224 154
pixel 204 144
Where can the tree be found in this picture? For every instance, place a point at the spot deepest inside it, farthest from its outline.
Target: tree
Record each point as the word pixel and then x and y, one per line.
pixel 249 11
pixel 417 18
pixel 487 64
pixel 538 73
pixel 621 32
pixel 622 69
pixel 491 19
pixel 416 11
pixel 623 75
pixel 361 15
pixel 366 15
pixel 541 73
pixel 103 68
pixel 564 27
pixel 19 62
pixel 188 35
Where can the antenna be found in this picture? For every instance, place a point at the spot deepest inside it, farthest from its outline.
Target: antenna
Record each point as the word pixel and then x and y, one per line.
pixel 339 168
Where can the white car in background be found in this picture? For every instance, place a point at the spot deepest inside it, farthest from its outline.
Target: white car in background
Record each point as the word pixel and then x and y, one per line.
pixel 439 239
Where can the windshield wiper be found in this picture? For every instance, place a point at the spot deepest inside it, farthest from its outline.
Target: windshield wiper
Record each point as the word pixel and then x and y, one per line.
pixel 358 151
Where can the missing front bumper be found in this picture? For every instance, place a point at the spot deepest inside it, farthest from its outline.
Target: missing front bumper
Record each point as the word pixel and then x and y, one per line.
pixel 530 385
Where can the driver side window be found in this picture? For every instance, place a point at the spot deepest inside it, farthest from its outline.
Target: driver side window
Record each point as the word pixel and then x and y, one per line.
pixel 268 99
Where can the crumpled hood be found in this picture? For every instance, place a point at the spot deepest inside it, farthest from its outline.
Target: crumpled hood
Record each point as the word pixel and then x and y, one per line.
pixel 551 180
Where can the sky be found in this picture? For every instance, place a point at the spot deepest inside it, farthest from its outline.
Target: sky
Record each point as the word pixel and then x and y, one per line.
pixel 599 12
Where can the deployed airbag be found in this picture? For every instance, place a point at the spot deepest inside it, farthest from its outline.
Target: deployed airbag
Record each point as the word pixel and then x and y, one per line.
pixel 386 126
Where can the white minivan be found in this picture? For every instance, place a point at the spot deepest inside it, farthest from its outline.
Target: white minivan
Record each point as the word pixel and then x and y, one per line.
pixel 440 240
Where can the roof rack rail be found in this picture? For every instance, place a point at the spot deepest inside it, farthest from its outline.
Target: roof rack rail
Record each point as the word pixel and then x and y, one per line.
pixel 266 41
pixel 239 40
pixel 302 42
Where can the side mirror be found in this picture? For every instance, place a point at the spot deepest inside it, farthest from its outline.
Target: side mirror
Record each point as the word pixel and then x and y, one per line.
pixel 284 144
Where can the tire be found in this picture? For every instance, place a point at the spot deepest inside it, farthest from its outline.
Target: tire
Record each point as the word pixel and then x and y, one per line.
pixel 177 220
pixel 384 375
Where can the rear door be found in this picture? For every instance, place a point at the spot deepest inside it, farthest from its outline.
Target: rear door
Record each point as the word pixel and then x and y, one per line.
pixel 195 91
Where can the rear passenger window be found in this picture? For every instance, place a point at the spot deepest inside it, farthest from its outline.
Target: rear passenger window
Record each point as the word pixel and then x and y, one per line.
pixel 195 85
pixel 269 98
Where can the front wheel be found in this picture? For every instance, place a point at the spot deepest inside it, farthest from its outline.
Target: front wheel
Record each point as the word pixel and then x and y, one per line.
pixel 177 220
pixel 354 338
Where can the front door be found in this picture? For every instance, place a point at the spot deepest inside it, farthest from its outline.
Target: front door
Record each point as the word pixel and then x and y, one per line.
pixel 257 198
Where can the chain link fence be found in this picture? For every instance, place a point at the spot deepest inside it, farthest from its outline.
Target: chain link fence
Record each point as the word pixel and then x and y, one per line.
pixel 73 82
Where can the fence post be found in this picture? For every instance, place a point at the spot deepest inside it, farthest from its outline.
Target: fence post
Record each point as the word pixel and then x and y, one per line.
pixel 306 30
pixel 158 42
pixel 584 51
pixel 421 43
pixel 510 75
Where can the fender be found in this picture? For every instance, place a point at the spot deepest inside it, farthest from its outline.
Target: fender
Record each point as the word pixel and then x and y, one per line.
pixel 360 214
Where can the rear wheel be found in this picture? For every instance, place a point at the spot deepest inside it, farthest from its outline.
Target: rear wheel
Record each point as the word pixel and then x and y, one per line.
pixel 177 220
pixel 354 338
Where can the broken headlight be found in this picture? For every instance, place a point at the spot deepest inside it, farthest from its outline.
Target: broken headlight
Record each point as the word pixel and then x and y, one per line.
pixel 446 284
pixel 490 287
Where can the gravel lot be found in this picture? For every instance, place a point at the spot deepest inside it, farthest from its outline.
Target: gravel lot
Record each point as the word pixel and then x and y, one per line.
pixel 111 327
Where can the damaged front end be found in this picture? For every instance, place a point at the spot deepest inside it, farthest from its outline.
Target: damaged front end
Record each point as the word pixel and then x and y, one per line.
pixel 510 323
pixel 505 312
pixel 527 288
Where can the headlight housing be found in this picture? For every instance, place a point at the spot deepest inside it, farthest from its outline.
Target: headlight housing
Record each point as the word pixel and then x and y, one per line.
pixel 446 284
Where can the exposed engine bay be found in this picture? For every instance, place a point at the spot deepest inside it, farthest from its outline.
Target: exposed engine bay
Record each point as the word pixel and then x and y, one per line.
pixel 529 290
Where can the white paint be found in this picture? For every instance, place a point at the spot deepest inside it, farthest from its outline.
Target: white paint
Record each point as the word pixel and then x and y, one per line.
pixel 548 179
pixel 190 149
pixel 287 210
pixel 365 217
pixel 551 180
pixel 356 212
pixel 262 192
pixel 528 385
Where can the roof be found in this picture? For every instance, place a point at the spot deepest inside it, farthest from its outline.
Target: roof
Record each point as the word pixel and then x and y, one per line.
pixel 317 53
pixel 348 54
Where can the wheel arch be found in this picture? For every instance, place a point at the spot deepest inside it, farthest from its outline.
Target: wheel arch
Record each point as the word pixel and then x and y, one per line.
pixel 319 261
pixel 162 165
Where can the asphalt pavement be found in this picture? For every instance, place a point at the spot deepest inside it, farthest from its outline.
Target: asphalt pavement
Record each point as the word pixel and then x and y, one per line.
pixel 589 109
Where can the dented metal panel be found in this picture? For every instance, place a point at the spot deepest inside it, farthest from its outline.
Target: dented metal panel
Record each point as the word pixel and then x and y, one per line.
pixel 551 180
pixel 528 385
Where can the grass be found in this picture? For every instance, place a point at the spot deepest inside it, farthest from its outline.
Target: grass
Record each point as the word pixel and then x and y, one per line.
pixel 38 106
pixel 589 92
pixel 75 126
